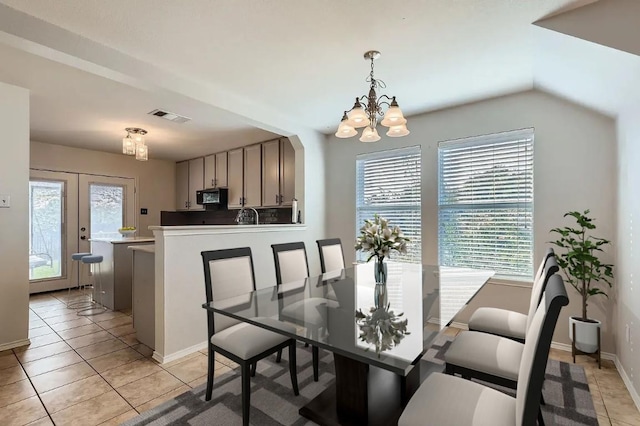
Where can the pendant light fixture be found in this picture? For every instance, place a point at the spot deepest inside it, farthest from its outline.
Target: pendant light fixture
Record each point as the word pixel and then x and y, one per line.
pixel 366 109
pixel 134 144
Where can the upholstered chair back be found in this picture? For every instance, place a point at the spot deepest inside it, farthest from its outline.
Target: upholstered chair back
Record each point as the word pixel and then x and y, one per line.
pixel 536 351
pixel 290 260
pixel 331 255
pixel 550 268
pixel 228 274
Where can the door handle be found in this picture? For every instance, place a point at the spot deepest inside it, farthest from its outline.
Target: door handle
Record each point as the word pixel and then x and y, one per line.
pixel 83 237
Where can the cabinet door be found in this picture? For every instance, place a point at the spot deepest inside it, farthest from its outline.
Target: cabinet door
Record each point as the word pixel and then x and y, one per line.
pixel 253 176
pixel 221 170
pixel 271 173
pixel 235 178
pixel 182 185
pixel 196 182
pixel 287 172
pixel 210 171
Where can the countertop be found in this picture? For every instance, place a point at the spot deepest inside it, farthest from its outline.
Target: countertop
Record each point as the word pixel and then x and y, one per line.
pixel 146 248
pixel 225 229
pixel 124 240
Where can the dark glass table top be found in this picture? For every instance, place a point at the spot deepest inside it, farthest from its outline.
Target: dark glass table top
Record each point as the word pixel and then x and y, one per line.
pixel 323 310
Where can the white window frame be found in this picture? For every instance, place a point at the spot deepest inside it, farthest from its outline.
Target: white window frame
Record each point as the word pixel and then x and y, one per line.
pixel 458 162
pixel 410 202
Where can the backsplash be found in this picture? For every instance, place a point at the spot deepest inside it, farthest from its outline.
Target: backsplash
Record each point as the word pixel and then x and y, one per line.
pixel 224 217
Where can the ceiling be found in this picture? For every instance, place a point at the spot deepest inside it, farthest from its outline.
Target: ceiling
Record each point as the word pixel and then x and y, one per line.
pixel 300 59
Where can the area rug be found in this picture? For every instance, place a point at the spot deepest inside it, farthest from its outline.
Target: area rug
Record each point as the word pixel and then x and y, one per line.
pixel 566 392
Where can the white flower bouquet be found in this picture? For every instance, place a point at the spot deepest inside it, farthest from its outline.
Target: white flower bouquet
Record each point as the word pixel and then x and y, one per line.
pixel 379 238
pixel 382 328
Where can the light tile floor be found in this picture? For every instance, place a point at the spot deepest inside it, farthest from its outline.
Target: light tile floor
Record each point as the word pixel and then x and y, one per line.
pixel 611 398
pixel 93 371
pixel 88 370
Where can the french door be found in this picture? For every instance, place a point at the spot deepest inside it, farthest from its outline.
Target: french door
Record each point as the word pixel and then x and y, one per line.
pixel 66 210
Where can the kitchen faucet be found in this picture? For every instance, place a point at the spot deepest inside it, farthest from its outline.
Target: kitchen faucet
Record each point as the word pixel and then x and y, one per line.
pixel 240 214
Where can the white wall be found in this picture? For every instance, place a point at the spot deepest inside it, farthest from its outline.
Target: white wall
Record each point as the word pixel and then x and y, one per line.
pixel 14 221
pixel 575 169
pixel 155 178
pixel 628 267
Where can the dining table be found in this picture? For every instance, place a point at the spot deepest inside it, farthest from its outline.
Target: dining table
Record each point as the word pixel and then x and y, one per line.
pixel 378 333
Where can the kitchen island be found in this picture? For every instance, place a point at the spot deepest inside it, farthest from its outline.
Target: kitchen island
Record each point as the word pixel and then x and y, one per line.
pixel 116 270
pixel 180 321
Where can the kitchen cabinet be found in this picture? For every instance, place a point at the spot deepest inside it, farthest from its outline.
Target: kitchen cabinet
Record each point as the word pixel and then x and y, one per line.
pixel 252 176
pixel 196 182
pixel 215 170
pixel 221 169
pixel 278 173
pixel 271 173
pixel 189 179
pixel 235 178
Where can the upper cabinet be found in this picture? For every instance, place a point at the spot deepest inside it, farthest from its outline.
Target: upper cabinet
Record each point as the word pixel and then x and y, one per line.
pixel 189 179
pixel 235 178
pixel 253 176
pixel 260 175
pixel 215 170
pixel 278 173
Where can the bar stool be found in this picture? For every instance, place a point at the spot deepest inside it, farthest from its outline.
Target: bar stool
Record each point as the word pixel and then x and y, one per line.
pixel 96 307
pixel 77 302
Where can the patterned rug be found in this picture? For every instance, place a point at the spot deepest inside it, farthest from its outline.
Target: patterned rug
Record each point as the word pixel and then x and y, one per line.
pixel 566 392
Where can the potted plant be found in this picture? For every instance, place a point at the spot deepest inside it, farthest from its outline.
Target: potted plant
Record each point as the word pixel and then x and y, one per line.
pixel 585 272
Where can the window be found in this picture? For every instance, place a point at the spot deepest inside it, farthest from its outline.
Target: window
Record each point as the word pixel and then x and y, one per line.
pixel 485 199
pixel 388 183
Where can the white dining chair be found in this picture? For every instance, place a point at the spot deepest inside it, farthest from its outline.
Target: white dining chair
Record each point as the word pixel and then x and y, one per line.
pixel 229 273
pixel 510 324
pixel 444 400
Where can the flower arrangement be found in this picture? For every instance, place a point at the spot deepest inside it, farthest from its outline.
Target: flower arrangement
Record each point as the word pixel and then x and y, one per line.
pixel 379 238
pixel 382 328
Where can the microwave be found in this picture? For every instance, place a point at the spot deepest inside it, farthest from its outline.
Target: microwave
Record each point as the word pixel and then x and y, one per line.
pixel 213 198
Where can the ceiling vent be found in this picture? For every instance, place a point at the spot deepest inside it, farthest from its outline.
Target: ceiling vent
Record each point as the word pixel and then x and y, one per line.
pixel 171 116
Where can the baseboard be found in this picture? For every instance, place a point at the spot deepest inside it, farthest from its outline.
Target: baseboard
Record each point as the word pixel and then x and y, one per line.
pixel 163 359
pixel 627 382
pixel 15 344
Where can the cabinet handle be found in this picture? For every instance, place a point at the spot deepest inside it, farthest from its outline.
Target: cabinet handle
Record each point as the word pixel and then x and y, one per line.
pixel 186 204
pixel 276 198
pixel 240 201
pixel 213 183
pixel 281 198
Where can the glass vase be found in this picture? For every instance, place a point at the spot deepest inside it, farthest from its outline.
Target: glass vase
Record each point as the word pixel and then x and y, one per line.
pixel 380 292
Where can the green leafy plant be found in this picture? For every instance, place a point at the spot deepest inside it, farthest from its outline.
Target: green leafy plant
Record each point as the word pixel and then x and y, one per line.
pixel 379 238
pixel 580 262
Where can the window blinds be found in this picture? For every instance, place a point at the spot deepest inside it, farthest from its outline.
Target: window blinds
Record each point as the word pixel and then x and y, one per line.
pixel 485 199
pixel 388 183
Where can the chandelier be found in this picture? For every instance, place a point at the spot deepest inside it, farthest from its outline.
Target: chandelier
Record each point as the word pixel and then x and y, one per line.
pixel 133 143
pixel 366 110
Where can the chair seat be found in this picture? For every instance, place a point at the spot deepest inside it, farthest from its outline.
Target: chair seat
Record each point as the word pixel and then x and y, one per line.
pixel 444 400
pixel 500 322
pixel 78 256
pixel 495 355
pixel 247 340
pixel 310 311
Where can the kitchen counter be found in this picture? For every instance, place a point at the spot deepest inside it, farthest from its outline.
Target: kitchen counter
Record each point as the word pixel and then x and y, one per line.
pixel 117 268
pixel 124 240
pixel 147 248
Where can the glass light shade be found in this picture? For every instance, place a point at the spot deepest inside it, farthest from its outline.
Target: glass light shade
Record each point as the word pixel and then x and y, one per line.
pixel 358 117
pixel 142 152
pixel 398 131
pixel 345 130
pixel 393 117
pixel 138 138
pixel 128 146
pixel 370 135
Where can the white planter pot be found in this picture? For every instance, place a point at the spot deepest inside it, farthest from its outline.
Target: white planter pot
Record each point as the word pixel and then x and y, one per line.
pixel 586 338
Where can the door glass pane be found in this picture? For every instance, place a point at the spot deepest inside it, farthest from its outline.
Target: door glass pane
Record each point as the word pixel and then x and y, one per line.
pixel 107 210
pixel 45 229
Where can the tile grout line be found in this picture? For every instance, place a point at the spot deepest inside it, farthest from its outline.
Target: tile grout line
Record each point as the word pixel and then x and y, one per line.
pixel 84 360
